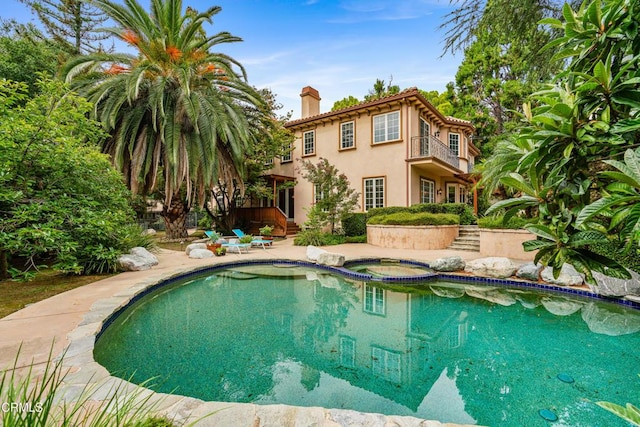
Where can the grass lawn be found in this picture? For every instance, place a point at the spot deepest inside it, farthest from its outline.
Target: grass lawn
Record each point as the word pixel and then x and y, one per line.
pixel 16 295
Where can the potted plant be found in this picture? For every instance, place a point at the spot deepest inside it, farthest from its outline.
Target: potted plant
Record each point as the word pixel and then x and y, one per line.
pixel 246 238
pixel 266 232
pixel 213 244
pixel 220 251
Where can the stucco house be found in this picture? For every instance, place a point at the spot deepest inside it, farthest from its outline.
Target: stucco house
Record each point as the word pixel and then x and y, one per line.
pixel 396 151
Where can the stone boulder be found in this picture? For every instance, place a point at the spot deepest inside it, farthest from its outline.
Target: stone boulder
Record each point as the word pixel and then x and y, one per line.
pixel 529 271
pixel 200 253
pixel 612 287
pixel 610 321
pixel 193 246
pixel 450 263
pixel 494 295
pixel 149 232
pixel 498 267
pixel 137 259
pixel 569 276
pixel 313 252
pixel 561 306
pixel 330 259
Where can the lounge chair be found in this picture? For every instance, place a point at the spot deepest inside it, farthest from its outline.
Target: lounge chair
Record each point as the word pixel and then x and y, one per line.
pixel 231 244
pixel 235 244
pixel 254 242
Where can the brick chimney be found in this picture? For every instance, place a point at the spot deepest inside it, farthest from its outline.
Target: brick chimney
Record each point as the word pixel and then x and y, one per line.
pixel 310 102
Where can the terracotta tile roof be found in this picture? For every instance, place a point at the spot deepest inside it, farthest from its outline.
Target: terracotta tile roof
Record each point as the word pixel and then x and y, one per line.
pixel 410 92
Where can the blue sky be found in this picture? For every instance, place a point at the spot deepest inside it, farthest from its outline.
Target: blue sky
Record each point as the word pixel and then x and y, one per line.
pixel 339 47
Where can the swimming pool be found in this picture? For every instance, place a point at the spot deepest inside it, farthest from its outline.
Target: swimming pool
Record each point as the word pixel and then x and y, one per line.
pixel 451 351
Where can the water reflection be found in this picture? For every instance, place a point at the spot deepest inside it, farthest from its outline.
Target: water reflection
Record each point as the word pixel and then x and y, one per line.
pixel 444 351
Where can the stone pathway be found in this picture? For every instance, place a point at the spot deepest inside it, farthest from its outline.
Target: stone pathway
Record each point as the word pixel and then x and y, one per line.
pixel 71 320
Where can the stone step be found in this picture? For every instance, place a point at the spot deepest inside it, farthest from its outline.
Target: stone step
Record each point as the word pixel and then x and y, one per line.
pixel 455 247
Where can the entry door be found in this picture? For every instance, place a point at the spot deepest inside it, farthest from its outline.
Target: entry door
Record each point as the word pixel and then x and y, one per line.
pixel 285 202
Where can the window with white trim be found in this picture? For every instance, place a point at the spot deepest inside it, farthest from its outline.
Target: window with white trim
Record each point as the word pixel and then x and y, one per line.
pixel 347 135
pixel 386 127
pixel 287 157
pixel 373 193
pixel 374 301
pixel 386 364
pixel 427 191
pixel 309 139
pixel 451 193
pixel 454 143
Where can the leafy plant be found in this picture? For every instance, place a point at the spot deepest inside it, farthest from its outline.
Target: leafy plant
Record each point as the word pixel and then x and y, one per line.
pixel 39 397
pixel 267 230
pixel 61 201
pixel 630 413
pixel 248 238
pixel 588 117
pixel 334 198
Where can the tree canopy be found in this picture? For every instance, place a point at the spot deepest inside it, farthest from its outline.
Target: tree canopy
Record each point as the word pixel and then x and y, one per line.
pixel 61 202
pixel 176 110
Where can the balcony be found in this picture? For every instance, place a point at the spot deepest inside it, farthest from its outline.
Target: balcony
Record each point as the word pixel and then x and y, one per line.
pixel 424 147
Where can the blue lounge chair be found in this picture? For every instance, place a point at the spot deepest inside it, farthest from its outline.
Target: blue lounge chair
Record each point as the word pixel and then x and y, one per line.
pixel 229 245
pixel 254 242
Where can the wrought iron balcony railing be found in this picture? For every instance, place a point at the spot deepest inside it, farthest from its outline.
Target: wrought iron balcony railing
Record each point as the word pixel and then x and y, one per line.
pixel 430 146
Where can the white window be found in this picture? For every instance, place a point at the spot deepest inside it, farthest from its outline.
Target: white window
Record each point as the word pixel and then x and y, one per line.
pixel 347 352
pixel 463 195
pixel 309 143
pixel 347 139
pixel 386 364
pixel 454 143
pixel 287 157
pixel 386 127
pixel 427 191
pixel 374 302
pixel 451 193
pixel 373 193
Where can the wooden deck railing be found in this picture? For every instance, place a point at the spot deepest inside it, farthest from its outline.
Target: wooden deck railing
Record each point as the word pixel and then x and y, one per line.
pixel 259 217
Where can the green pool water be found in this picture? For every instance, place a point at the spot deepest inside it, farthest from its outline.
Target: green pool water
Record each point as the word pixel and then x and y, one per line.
pixel 444 351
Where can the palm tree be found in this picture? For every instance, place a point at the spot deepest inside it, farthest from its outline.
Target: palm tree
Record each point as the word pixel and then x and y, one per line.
pixel 175 110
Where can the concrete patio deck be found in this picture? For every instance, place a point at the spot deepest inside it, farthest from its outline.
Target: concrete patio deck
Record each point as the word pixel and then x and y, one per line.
pixel 70 321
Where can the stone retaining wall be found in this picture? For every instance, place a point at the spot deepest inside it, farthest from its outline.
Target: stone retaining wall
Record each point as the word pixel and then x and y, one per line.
pixel 412 237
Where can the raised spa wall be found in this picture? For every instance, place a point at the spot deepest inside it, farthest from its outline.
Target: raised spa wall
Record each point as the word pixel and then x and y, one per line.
pixel 427 237
pixel 493 242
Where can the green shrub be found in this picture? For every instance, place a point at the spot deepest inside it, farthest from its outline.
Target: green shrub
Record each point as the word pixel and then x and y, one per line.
pixel 317 238
pixel 462 210
pixel 356 239
pixel 354 224
pixel 420 218
pixel 514 223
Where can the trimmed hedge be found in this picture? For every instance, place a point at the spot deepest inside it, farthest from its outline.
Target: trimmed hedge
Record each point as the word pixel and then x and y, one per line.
pixel 463 211
pixel 514 223
pixel 354 224
pixel 419 218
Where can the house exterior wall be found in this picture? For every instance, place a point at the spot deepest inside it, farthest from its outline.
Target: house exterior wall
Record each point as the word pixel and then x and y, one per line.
pixel 389 160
